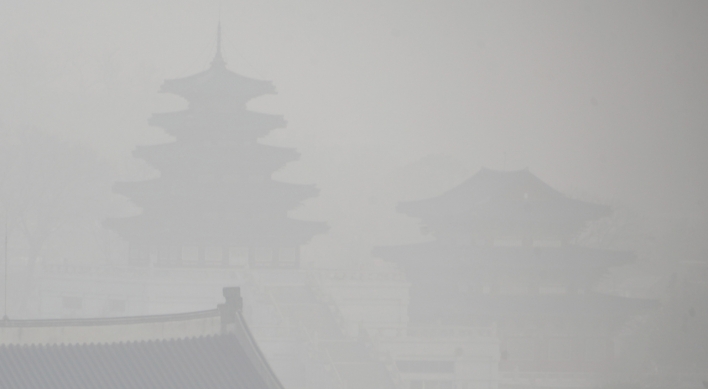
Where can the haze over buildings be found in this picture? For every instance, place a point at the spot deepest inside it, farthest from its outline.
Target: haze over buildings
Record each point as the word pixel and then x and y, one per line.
pixel 384 103
pixel 598 98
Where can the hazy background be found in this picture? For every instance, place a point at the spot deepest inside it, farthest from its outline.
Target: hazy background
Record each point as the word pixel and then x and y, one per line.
pixel 605 101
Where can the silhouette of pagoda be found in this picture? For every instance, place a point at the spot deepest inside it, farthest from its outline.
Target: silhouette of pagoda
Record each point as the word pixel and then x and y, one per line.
pixel 503 254
pixel 214 201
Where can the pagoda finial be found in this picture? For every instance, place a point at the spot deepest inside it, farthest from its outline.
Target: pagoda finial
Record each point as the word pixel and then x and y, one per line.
pixel 218 58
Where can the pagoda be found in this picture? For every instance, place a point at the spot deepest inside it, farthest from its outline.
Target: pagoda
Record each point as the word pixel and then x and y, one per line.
pixel 503 253
pixel 214 201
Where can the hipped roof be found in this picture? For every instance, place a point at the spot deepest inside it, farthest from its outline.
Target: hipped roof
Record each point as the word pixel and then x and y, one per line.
pixel 491 193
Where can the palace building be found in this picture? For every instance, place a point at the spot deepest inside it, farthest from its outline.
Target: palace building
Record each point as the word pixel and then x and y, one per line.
pixel 503 254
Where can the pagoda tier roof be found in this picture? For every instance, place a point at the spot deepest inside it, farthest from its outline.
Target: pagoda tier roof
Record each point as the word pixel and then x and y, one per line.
pixel 511 195
pixel 441 256
pixel 214 158
pixel 157 229
pixel 216 196
pixel 430 308
pixel 217 83
pixel 231 124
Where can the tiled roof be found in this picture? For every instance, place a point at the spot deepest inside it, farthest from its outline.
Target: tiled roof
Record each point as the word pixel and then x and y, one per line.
pixel 208 362
pixel 555 257
pixel 198 350
pixel 503 194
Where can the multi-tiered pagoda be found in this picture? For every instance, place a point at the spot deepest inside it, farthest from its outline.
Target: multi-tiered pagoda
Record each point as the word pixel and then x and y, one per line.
pixel 503 253
pixel 214 201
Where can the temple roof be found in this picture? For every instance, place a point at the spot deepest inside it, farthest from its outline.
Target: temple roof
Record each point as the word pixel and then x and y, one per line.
pixel 248 232
pixel 228 124
pixel 212 362
pixel 504 194
pixel 243 158
pixel 225 197
pixel 503 256
pixel 206 350
pixel 217 83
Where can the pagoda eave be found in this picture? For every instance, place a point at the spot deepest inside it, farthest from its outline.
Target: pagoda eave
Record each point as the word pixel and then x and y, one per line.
pixel 217 158
pixel 246 122
pixel 218 82
pixel 285 233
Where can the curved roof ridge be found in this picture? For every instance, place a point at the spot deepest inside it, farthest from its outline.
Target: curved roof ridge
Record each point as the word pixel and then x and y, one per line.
pixel 484 186
pixel 105 321
pixel 130 342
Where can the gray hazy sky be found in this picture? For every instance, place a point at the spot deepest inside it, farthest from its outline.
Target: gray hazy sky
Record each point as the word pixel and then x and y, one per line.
pixel 607 100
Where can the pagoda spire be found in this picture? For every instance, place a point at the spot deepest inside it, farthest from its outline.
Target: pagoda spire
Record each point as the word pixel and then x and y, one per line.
pixel 218 60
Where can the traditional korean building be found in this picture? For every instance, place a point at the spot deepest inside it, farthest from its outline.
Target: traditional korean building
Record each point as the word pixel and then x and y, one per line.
pixel 210 349
pixel 503 254
pixel 214 202
pixel 307 340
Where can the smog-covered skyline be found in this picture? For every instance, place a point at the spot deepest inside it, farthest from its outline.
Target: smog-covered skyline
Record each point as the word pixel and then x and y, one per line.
pixel 600 99
pixel 411 195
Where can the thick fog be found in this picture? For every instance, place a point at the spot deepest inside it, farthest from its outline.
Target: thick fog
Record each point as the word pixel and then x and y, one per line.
pixel 597 98
pixel 386 103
